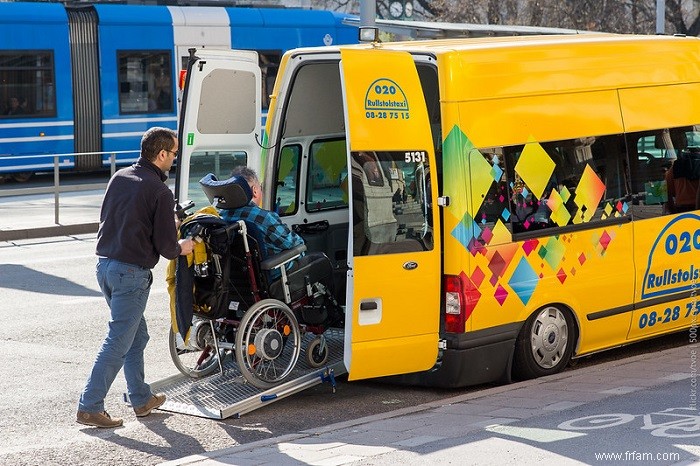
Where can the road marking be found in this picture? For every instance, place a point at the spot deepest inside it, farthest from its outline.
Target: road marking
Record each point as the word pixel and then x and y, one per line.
pixel 534 434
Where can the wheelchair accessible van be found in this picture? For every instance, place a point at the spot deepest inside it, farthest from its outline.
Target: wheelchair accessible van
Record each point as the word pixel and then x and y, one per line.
pixel 225 300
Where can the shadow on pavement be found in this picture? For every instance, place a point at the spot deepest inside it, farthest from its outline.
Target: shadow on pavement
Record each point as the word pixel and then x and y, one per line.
pixel 20 277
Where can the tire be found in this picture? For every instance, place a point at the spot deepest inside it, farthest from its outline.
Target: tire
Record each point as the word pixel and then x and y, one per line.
pixel 268 343
pixel 545 344
pixel 315 357
pixel 194 363
pixel 22 177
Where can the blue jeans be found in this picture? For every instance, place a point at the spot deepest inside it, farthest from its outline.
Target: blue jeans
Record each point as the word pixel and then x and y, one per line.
pixel 126 288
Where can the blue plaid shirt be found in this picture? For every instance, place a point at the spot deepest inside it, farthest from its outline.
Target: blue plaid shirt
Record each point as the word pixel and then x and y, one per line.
pixel 267 228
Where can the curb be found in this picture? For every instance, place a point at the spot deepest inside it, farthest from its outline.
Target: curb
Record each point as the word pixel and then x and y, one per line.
pixel 45 232
pixel 402 412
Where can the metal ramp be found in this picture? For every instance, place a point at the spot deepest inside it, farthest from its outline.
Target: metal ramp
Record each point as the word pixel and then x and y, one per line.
pixel 222 395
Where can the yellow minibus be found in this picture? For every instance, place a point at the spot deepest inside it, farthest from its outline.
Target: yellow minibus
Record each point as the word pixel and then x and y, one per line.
pixel 492 207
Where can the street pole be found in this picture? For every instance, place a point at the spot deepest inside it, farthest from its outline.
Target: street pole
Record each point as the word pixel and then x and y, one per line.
pixel 660 16
pixel 368 12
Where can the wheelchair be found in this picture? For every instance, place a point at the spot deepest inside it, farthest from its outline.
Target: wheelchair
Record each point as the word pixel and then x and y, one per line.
pixel 237 308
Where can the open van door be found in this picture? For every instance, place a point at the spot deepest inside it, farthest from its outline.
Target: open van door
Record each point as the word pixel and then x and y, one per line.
pixel 393 299
pixel 220 118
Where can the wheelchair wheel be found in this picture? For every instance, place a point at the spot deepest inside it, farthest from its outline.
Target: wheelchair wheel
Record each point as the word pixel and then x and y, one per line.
pixel 195 363
pixel 268 342
pixel 314 355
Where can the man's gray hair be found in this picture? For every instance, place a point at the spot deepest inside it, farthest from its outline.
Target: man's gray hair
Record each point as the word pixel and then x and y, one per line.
pixel 247 173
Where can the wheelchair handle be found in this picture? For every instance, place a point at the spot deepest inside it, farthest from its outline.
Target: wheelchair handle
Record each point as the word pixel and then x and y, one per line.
pixel 236 226
pixel 181 210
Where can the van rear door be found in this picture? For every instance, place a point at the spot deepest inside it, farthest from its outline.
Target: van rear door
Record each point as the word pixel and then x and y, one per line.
pixel 220 118
pixel 393 298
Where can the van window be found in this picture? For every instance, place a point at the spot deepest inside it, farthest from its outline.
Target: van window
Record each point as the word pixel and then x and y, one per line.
pixel 220 163
pixel 286 196
pixel 391 202
pixel 652 175
pixel 548 185
pixel 326 176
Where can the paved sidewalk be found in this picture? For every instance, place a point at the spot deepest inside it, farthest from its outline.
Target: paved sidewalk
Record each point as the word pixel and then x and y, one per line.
pixel 452 431
pixel 34 216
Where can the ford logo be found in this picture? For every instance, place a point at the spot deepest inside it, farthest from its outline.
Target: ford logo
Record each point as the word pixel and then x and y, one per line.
pixel 410 265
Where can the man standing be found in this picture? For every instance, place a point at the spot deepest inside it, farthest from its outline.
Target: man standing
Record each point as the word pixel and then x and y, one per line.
pixel 137 226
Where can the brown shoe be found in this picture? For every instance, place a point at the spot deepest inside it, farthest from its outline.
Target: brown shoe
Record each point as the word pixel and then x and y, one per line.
pixel 156 401
pixel 98 419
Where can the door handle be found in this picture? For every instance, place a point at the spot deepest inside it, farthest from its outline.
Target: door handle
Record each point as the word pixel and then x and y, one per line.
pixel 314 227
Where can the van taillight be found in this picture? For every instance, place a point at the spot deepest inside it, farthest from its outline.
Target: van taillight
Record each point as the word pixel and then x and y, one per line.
pixel 455 304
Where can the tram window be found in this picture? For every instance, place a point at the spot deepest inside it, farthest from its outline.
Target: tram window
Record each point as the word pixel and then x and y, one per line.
pixel 286 189
pixel 145 82
pixel 220 163
pixel 27 86
pixel 391 202
pixel 327 175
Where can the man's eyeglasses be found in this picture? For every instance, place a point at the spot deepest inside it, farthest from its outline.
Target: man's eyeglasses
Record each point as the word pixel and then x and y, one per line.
pixel 171 151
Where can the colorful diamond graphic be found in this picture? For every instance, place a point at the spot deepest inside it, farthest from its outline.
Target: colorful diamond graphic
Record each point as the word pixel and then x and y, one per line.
pixel 500 294
pixel 486 235
pixel 505 214
pixel 478 276
pixel 496 173
pixel 529 246
pixel 524 281
pixel 589 191
pixel 497 265
pixel 466 230
pixel 555 252
pixel 561 275
pixel 535 167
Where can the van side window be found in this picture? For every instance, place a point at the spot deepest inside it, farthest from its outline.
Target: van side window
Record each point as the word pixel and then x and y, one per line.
pixel 664 170
pixel 326 176
pixel 538 186
pixel 286 196
pixel 220 163
pixel 391 202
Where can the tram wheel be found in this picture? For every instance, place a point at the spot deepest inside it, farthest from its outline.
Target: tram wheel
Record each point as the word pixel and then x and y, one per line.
pixel 22 177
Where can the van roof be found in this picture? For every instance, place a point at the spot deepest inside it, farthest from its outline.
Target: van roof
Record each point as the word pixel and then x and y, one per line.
pixel 550 64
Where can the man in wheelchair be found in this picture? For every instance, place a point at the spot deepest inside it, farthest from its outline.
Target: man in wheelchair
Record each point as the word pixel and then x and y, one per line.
pixel 265 226
pixel 225 299
pixel 306 275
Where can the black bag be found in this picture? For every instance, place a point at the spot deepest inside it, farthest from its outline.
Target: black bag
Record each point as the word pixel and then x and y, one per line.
pixel 212 266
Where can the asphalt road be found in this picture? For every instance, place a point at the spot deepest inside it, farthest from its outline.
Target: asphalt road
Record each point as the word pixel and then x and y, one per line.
pixel 54 319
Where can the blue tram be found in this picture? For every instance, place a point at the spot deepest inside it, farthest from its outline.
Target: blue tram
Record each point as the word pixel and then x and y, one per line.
pixel 91 78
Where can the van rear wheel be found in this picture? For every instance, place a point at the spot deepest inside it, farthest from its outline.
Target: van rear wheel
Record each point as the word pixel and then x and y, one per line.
pixel 545 344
